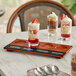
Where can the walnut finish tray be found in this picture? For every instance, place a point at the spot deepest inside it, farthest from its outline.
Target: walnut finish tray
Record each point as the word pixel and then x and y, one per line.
pixel 44 48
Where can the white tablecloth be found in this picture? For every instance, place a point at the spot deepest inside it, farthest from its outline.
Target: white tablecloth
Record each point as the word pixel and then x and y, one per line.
pixel 17 63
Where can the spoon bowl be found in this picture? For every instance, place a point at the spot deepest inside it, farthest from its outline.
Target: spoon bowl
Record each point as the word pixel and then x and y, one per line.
pixel 41 71
pixel 48 70
pixel 55 69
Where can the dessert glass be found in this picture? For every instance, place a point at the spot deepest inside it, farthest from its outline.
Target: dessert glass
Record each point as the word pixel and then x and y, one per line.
pixel 52 24
pixel 33 33
pixel 66 25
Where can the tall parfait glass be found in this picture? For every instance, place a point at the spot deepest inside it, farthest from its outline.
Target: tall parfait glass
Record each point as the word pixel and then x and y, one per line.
pixel 52 24
pixel 66 25
pixel 33 32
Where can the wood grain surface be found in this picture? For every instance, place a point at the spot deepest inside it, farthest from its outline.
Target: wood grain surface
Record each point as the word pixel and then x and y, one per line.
pixel 57 48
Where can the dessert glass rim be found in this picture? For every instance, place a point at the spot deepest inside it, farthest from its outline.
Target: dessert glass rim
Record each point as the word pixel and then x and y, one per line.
pixel 66 19
pixel 52 15
pixel 33 23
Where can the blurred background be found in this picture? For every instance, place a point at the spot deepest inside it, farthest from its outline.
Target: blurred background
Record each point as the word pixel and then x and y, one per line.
pixel 8 7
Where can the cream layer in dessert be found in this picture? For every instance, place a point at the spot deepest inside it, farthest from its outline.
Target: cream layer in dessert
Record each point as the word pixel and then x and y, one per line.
pixel 52 17
pixel 52 23
pixel 33 30
pixel 66 25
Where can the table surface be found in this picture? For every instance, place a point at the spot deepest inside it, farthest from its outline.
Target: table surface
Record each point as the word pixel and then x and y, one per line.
pixel 17 63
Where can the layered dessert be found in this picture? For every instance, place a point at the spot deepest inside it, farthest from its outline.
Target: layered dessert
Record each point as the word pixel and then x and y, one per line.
pixel 52 23
pixel 66 24
pixel 33 32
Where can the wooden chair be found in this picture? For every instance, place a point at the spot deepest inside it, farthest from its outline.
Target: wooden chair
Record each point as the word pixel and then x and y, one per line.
pixel 39 9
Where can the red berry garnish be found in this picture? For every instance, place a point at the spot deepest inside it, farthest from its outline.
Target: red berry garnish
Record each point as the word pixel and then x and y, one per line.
pixel 35 21
pixel 63 16
pixel 34 41
pixel 30 31
pixel 68 24
pixel 66 35
pixel 35 31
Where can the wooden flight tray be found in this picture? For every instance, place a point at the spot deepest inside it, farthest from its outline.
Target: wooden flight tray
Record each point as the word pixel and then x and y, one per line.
pixel 44 48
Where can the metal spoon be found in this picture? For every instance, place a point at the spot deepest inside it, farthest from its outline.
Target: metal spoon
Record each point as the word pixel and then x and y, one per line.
pixel 37 72
pixel 41 71
pixel 55 70
pixel 48 70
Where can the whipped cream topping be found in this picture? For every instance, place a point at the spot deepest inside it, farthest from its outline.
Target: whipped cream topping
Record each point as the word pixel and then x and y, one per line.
pixel 34 25
pixel 67 19
pixel 52 15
